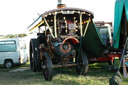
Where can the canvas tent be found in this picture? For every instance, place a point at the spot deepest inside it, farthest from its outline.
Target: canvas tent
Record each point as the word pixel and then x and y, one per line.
pixel 92 42
pixel 120 23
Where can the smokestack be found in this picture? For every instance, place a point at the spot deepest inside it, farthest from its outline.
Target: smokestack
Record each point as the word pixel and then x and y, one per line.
pixel 59 1
pixel 60 5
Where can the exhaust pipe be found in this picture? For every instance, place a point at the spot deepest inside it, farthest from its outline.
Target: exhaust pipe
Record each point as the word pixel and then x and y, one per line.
pixel 60 5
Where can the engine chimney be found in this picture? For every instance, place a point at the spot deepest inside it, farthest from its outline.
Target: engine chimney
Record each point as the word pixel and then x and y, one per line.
pixel 60 5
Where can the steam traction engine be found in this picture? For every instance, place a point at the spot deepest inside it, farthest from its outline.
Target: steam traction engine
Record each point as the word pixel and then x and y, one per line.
pixel 58 42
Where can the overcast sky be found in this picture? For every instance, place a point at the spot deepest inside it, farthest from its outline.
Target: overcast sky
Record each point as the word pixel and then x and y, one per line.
pixel 17 15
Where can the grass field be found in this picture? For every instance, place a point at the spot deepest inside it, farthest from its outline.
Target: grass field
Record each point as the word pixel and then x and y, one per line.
pixel 97 75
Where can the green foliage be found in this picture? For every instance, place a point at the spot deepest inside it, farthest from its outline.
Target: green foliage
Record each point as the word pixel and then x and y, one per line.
pixel 22 35
pixel 14 36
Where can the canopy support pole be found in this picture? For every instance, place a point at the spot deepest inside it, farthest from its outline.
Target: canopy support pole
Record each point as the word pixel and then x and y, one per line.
pixel 81 30
pixel 49 28
pixel 86 27
pixel 55 28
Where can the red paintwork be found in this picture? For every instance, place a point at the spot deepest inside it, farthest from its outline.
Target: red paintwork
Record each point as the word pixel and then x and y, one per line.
pixel 110 57
pixel 65 51
pixel 73 39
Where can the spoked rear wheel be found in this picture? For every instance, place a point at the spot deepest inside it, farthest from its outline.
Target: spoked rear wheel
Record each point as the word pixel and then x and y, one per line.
pixel 32 63
pixel 82 63
pixel 35 64
pixel 47 67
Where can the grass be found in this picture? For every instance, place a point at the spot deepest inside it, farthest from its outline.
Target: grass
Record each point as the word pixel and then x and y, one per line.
pixel 98 75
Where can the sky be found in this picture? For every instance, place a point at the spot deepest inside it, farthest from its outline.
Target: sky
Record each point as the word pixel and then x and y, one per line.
pixel 17 15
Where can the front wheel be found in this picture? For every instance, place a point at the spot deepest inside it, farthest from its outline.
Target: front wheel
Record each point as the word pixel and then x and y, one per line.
pixel 82 63
pixel 47 67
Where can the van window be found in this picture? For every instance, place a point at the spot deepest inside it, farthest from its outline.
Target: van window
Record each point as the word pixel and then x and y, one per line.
pixel 8 46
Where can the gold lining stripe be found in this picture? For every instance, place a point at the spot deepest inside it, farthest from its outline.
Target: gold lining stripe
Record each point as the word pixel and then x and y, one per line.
pixel 36 26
